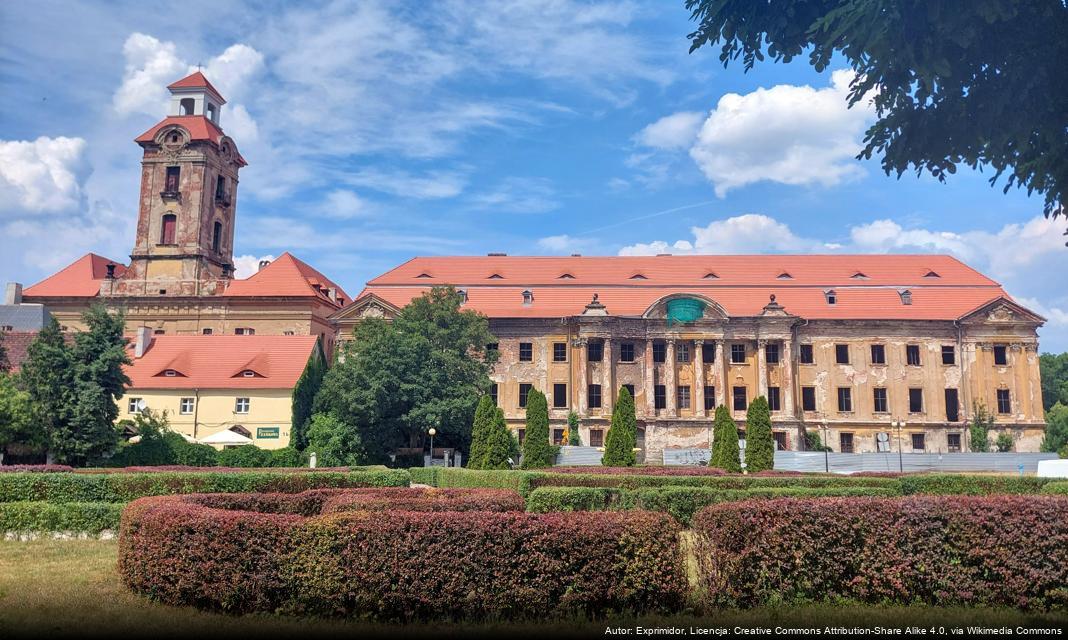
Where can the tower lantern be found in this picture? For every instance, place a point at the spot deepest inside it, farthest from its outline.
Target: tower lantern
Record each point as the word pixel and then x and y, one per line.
pixel 193 95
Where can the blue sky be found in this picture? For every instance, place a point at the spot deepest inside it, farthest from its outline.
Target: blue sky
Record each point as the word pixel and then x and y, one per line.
pixel 376 131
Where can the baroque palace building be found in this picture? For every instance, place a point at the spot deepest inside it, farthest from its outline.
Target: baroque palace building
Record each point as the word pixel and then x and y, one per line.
pixel 180 279
pixel 847 345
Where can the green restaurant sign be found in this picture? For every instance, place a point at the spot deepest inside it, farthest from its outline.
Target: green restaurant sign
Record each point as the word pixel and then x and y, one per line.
pixel 267 432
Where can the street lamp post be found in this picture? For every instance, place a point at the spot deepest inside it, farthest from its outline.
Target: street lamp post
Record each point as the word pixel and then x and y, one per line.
pixel 898 424
pixel 826 446
pixel 432 432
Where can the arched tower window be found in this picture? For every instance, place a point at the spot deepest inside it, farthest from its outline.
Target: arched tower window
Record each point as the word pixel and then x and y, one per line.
pixel 216 237
pixel 170 222
pixel 187 106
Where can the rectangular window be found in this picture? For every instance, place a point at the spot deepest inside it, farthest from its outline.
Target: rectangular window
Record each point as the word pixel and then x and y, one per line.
pixel 740 401
pixel 878 354
pixel 879 404
pixel 949 355
pixel 659 352
pixel 559 396
pixel 710 398
pixel 808 398
pixel 953 442
pixel 595 351
pixel 1001 356
pixel 841 353
pixel 131 405
pixel 626 352
pixel 174 174
pixel 596 437
pixel 593 396
pixel 186 406
pixel 220 188
pixel 524 391
pixel 845 442
pixel 241 405
pixel 780 440
pixel 207 331
pixel 559 352
pixel 659 396
pixel 919 442
pixel 1004 401
pixel 244 331
pixel 630 390
pixel 521 435
pixel 558 436
pixel 708 353
pixel 915 400
pixel 169 225
pixel 773 399
pixel 912 354
pixel 952 405
pixel 493 347
pixel 845 399
pixel 682 352
pixel 526 352
pixel 771 353
pixel 806 355
pixel 683 396
pixel 737 353
pixel 493 393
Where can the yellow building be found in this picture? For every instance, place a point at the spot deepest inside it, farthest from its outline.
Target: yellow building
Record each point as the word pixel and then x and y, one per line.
pixel 220 390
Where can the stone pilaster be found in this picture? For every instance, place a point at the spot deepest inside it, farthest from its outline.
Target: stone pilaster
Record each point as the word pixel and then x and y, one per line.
pixel 608 391
pixel 762 368
pixel 579 349
pixel 650 396
pixel 787 394
pixel 670 391
pixel 699 378
pixel 722 386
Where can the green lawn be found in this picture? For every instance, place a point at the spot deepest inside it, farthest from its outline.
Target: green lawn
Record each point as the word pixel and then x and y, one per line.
pixel 70 587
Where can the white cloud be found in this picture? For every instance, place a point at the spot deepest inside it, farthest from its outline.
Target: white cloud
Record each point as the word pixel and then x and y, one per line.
pixel 43 175
pixel 342 203
pixel 677 131
pixel 432 185
pixel 566 244
pixel 518 195
pixel 231 71
pixel 748 233
pixel 150 66
pixel 245 266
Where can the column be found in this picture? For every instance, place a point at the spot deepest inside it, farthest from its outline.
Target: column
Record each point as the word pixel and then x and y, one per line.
pixel 580 358
pixel 762 368
pixel 699 378
pixel 723 391
pixel 650 402
pixel 608 391
pixel 670 391
pixel 788 377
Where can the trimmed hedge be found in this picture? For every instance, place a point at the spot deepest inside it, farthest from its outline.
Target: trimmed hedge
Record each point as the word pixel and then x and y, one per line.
pixel 124 487
pixel 46 517
pixel 680 502
pixel 456 478
pixel 498 500
pixel 990 551
pixel 35 468
pixel 423 475
pixel 637 481
pixel 641 471
pixel 1056 488
pixel 400 565
pixel 970 485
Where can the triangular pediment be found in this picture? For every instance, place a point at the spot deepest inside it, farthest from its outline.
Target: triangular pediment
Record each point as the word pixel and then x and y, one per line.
pixel 1002 310
pixel 367 306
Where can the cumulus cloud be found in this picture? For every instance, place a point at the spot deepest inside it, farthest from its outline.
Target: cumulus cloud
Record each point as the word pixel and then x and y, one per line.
pixel 676 131
pixel 748 233
pixel 342 203
pixel 151 65
pixel 246 265
pixel 45 175
pixel 518 195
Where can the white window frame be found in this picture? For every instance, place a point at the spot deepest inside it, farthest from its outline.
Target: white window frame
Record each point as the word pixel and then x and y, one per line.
pixel 182 406
pixel 242 402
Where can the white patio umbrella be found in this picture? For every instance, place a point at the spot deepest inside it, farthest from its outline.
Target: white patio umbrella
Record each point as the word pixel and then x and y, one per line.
pixel 226 438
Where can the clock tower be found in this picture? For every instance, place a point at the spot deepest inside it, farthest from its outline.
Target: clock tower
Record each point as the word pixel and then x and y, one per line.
pixel 187 208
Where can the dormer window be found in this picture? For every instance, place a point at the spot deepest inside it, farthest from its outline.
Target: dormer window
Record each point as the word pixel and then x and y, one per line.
pixel 424 275
pixel 785 276
pixel 170 373
pixel 931 274
pixel 906 296
pixel 638 276
pixel 832 297
pixel 565 276
pixel 711 275
pixel 248 373
pixel 463 295
pixel 528 297
pixel 495 276
pixel 859 276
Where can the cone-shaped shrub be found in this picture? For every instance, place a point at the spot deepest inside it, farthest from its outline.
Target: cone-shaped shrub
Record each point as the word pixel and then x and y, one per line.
pixel 725 442
pixel 537 450
pixel 622 435
pixel 573 437
pixel 500 444
pixel 759 443
pixel 480 431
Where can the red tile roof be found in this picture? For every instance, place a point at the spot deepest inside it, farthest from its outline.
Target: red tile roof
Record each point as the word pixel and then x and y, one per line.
pixel 195 80
pixel 742 285
pixel 287 276
pixel 81 279
pixel 199 128
pixel 218 362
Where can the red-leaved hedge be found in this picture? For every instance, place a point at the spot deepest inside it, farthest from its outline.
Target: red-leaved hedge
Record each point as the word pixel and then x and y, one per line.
pixel 35 468
pixel 424 500
pixel 946 550
pixel 206 551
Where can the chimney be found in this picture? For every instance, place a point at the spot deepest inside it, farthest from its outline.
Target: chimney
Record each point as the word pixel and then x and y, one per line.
pixel 143 342
pixel 496 255
pixel 13 294
pixel 332 292
pixel 263 263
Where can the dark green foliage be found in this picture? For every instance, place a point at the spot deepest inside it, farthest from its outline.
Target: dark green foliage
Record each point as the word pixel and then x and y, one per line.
pixel 974 83
pixel 574 438
pixel 622 436
pixel 247 456
pixel 19 422
pixel 304 398
pixel 47 517
pixel 813 442
pixel 538 451
pixel 336 443
pixel 485 415
pixel 286 457
pixel 501 445
pixel 1054 370
pixel 759 443
pixel 548 499
pixel 725 451
pixel 424 475
pixel 1063 451
pixel 1056 437
pixel 1004 442
pixel 1056 489
pixel 124 487
pixel 979 429
pixel 426 368
pixel 191 454
pixel 452 477
pixel 960 484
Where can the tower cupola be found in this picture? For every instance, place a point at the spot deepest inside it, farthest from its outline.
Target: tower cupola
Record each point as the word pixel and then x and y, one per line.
pixel 193 95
